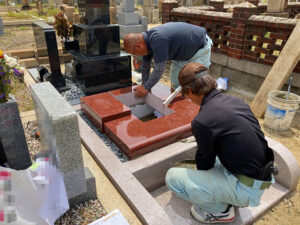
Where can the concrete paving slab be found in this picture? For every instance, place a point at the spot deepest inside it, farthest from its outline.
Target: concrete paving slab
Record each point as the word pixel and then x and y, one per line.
pixel 178 209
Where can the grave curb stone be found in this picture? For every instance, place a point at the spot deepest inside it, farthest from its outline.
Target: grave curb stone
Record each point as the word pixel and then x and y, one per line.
pixel 58 125
pixel 12 136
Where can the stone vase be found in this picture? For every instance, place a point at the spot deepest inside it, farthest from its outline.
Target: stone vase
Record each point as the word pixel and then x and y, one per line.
pixel 14 145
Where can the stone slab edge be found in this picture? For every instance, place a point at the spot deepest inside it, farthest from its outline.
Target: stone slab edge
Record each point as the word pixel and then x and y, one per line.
pixel 136 196
pixel 253 68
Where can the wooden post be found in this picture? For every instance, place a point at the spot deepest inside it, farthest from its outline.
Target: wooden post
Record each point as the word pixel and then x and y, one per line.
pixel 279 73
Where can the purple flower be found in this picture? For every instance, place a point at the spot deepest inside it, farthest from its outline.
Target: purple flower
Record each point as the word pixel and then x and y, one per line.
pixel 2 73
pixel 17 73
pixel 2 96
pixel 4 82
pixel 9 81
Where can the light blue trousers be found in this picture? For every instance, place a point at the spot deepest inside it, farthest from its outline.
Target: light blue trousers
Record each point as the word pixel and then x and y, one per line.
pixel 212 190
pixel 202 56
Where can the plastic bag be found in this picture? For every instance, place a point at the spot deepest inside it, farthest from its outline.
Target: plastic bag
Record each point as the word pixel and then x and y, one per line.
pixel 36 195
pixel 222 83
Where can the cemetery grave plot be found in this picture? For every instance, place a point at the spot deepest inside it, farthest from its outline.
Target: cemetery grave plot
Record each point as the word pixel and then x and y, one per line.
pixel 129 122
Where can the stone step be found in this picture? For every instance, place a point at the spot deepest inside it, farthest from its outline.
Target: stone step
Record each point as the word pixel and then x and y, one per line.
pixel 178 209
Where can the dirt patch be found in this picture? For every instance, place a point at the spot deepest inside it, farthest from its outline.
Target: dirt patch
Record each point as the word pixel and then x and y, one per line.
pixel 17 38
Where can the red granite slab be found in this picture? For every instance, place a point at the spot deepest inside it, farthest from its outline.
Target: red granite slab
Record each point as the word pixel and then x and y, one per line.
pixel 135 137
pixel 130 134
pixel 103 107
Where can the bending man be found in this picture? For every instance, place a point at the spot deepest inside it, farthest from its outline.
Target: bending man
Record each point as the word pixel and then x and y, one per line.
pixel 180 42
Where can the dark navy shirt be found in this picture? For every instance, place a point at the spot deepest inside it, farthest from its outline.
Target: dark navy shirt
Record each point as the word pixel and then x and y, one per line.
pixel 226 127
pixel 174 41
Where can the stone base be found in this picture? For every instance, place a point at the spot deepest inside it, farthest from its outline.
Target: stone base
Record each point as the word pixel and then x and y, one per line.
pixel 276 14
pixel 91 192
pixel 131 29
pixel 128 18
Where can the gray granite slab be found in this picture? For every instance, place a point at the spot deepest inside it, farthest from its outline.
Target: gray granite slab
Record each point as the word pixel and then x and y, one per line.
pixel 128 6
pixel 12 136
pixel 128 18
pixel 58 125
pixel 178 209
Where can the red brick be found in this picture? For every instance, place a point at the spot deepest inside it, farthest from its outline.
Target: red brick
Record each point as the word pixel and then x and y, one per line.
pixel 235 51
pixel 237 41
pixel 271 58
pixel 267 62
pixel 279 36
pixel 238 31
pixel 238 20
pixel 250 58
pixel 250 53
pixel 262 50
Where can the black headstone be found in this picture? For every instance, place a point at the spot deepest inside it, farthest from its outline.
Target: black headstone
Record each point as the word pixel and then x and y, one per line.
pixel 45 39
pixel 97 40
pixel 99 63
pixel 96 11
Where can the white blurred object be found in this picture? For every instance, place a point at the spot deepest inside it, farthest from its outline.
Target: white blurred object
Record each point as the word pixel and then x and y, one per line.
pixel 38 194
pixel 113 218
pixel 158 114
pixel 222 83
pixel 172 96
pixel 137 77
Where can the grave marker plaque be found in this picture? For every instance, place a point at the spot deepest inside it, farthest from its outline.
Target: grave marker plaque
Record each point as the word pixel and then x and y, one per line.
pixel 45 39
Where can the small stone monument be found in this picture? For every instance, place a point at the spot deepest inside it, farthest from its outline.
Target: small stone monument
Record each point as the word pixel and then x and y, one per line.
pixel 60 141
pixel 129 20
pixel 1 27
pixel 39 7
pixel 25 5
pixel 13 145
pixel 276 8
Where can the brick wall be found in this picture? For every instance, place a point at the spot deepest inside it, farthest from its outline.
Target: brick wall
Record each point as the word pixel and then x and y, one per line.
pixel 166 8
pixel 217 25
pixel 218 5
pixel 241 34
pixel 266 37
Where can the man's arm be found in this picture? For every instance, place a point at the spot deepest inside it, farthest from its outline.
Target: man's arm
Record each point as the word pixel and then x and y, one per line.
pixel 205 155
pixel 146 66
pixel 157 73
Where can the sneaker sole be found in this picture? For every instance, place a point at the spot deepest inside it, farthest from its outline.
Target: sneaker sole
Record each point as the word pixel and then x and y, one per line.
pixel 216 221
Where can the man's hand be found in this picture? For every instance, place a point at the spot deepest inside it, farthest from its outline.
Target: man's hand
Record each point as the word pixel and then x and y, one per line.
pixel 140 91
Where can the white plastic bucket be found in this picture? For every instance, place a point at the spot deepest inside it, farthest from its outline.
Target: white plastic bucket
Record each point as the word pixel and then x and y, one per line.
pixel 280 112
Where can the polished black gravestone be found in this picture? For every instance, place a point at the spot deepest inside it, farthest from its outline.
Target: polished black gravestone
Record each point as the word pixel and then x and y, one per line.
pixel 45 40
pixel 99 64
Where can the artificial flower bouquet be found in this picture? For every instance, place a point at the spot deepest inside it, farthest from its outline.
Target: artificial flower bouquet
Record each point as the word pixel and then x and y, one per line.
pixel 9 70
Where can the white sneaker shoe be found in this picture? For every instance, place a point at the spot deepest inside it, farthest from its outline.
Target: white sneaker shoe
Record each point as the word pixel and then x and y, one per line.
pixel 205 217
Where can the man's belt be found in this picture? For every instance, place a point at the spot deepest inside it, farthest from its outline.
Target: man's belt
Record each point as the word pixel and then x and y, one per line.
pixel 250 181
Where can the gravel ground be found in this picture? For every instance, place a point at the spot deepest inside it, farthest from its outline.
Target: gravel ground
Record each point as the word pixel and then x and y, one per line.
pixel 81 214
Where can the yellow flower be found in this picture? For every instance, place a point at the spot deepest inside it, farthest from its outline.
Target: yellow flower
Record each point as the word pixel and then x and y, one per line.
pixel 1 54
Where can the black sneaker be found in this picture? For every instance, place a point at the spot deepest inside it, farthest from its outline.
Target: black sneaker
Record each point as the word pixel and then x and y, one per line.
pixel 205 217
